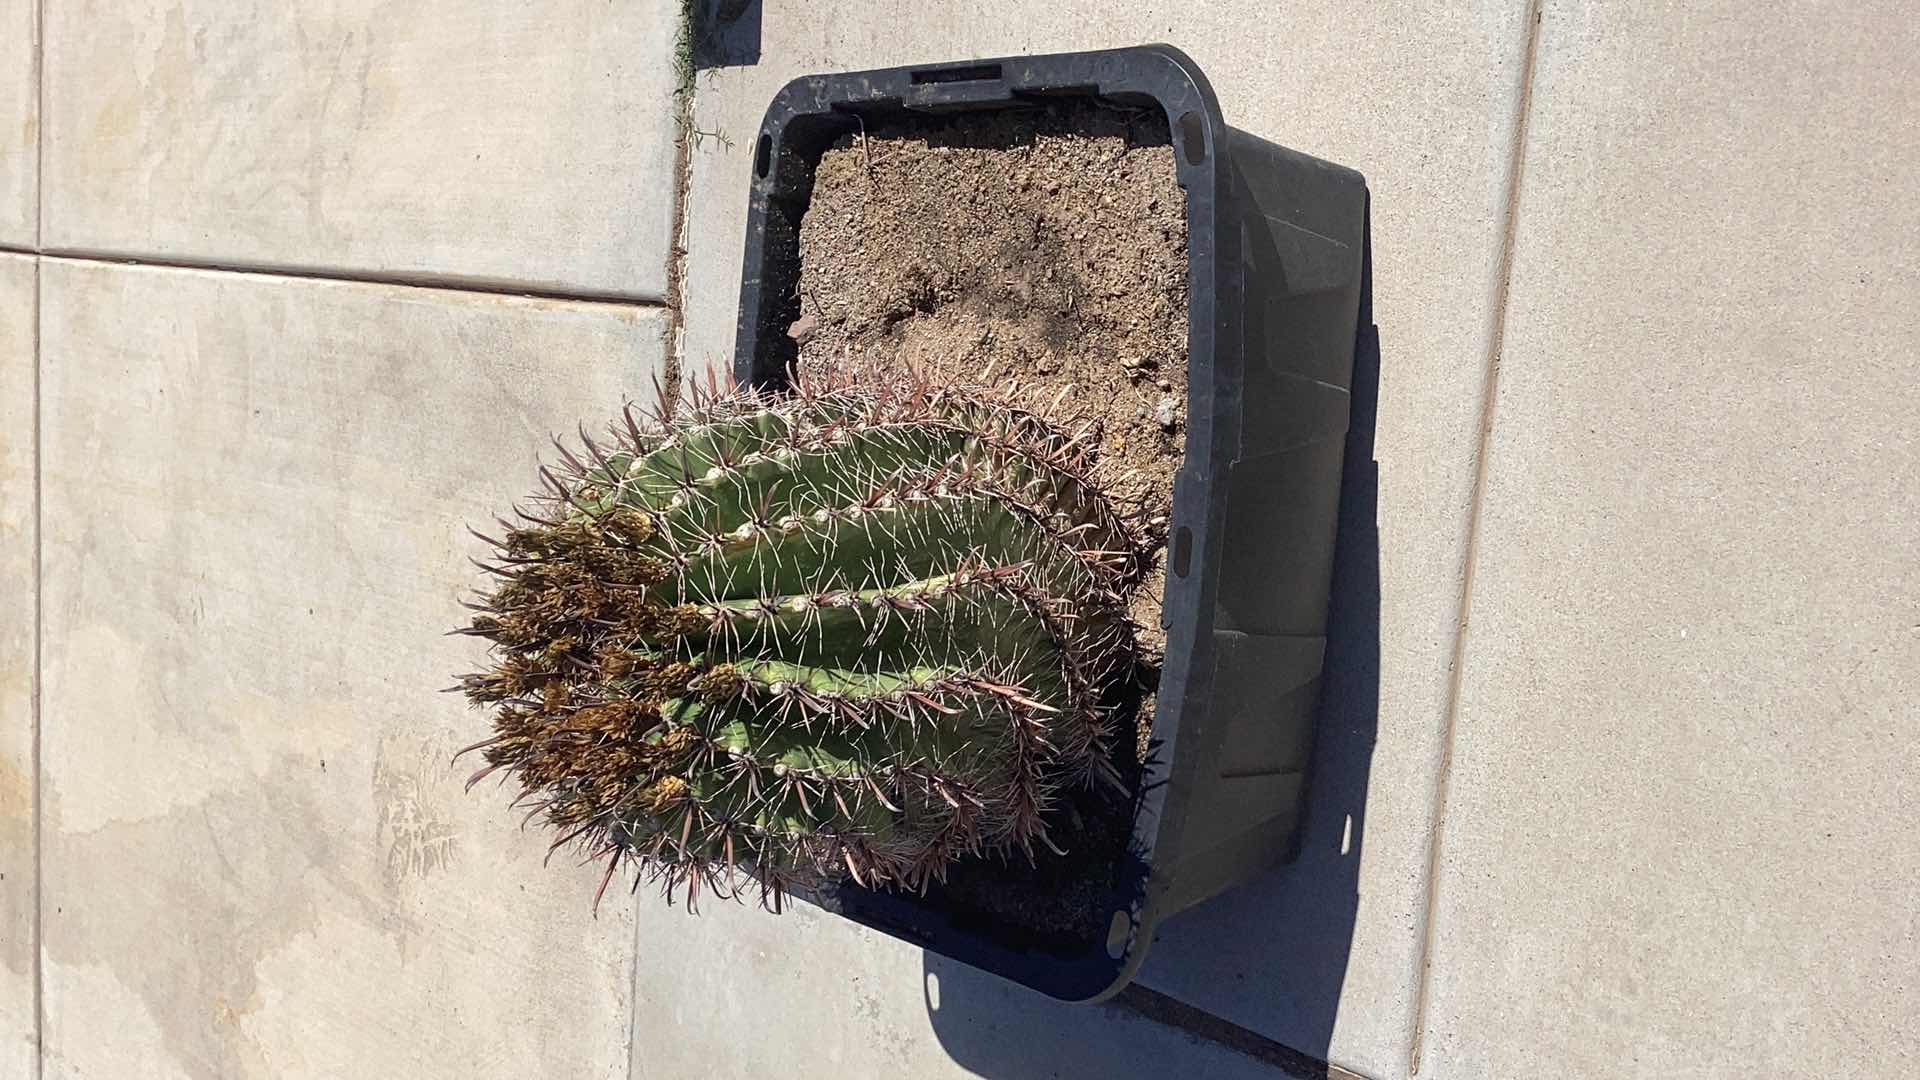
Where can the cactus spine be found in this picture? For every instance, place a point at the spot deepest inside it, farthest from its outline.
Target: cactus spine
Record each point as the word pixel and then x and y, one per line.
pixel 852 630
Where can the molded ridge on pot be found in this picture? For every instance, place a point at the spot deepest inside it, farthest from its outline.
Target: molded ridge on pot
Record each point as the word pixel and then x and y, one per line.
pixel 1275 271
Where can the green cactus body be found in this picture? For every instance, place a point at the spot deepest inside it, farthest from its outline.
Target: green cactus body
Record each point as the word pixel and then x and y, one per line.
pixel 847 631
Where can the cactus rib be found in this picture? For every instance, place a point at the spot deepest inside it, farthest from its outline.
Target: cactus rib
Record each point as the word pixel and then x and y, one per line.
pixel 854 630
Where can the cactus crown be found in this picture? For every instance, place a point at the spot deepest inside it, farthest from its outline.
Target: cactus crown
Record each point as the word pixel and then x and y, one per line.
pixel 854 629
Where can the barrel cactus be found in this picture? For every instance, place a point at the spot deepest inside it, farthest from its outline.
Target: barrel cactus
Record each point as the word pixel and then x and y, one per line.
pixel 847 630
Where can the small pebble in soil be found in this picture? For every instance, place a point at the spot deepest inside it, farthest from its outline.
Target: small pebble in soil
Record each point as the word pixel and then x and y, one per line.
pixel 1163 413
pixel 803 328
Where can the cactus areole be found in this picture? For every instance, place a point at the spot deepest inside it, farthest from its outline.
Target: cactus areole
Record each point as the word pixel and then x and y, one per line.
pixel 852 630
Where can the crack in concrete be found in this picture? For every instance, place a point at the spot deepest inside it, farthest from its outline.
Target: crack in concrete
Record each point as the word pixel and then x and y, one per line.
pixel 436 282
pixel 1496 341
pixel 1198 1023
pixel 39 546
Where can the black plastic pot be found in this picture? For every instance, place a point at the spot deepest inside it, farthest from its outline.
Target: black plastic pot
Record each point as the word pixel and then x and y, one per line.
pixel 1275 248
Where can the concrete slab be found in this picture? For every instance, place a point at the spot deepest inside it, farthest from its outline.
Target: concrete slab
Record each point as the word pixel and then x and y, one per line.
pixel 1679 840
pixel 736 991
pixel 17 588
pixel 527 146
pixel 260 862
pixel 1423 100
pixel 19 122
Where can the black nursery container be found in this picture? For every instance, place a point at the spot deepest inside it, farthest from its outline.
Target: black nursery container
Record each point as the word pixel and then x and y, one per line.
pixel 1274 262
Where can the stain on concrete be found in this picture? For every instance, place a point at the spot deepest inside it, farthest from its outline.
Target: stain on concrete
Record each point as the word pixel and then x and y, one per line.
pixel 256 850
pixel 210 888
pixel 895 1046
pixel 16 868
pixel 16 790
pixel 415 830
